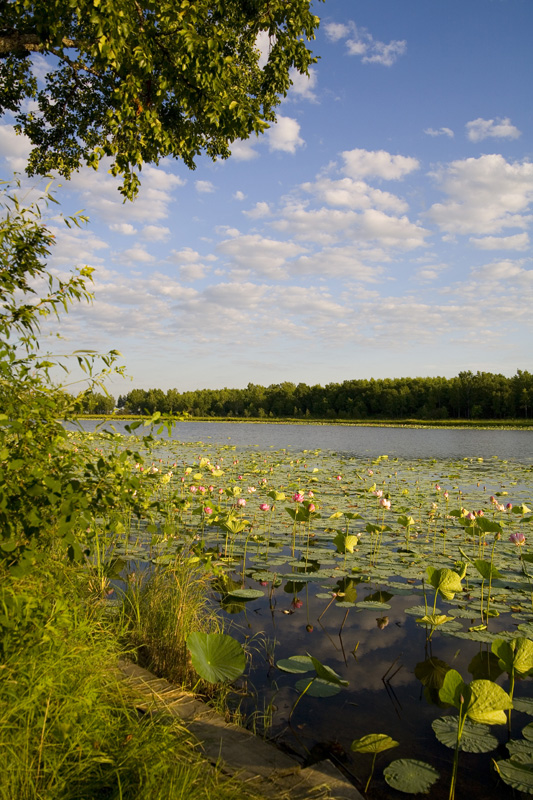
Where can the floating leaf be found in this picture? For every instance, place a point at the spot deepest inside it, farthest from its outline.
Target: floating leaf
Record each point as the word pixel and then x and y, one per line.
pixel 475 738
pixel 295 664
pixel 318 687
pixel 325 673
pixel 516 774
pixel 410 776
pixel 373 743
pixel 216 657
pixel 245 594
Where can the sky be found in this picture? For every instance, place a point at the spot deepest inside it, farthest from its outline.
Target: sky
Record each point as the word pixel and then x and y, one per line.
pixel 381 229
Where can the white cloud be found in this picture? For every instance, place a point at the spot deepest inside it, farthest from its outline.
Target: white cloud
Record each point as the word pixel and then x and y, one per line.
pixel 480 129
pixel 485 195
pixel 505 270
pixel 243 150
pixel 264 44
pixel 377 163
pixel 123 227
pixel 354 194
pixel 155 233
pixel 137 253
pixel 204 187
pixel 259 211
pixel 520 241
pixel 359 42
pixel 439 132
pixel 255 253
pixel 15 148
pixel 239 195
pixel 303 86
pixel 336 31
pixel 285 135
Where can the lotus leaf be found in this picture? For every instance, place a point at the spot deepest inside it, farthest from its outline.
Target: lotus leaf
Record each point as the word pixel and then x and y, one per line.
pixel 410 776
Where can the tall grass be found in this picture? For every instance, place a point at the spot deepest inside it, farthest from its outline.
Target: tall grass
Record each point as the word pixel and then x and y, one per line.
pixel 160 610
pixel 68 725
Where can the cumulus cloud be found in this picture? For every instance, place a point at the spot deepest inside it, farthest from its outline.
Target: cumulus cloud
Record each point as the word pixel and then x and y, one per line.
pixel 359 42
pixel 485 195
pixel 259 211
pixel 126 228
pixel 377 163
pixel 439 132
pixel 15 148
pixel 239 195
pixel 204 187
pixel 260 255
pixel 137 253
pixel 520 241
pixel 285 135
pixel 243 150
pixel 354 194
pixel 303 86
pixel 479 129
pixel 155 233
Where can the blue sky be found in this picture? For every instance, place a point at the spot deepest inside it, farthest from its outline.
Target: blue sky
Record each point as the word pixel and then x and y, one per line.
pixel 381 229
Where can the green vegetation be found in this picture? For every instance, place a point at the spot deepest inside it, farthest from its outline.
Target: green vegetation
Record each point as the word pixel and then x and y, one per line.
pixel 139 81
pixel 69 727
pixel 467 399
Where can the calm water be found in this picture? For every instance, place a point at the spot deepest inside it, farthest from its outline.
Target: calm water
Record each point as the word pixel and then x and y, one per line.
pixel 360 441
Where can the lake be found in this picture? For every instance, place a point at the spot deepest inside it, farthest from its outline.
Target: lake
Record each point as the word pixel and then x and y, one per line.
pixel 356 603
pixel 358 441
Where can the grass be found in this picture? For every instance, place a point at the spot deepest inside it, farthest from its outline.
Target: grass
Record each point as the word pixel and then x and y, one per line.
pixel 160 609
pixel 69 728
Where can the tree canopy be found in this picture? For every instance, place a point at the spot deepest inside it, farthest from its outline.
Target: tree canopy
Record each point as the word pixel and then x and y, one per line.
pixel 137 80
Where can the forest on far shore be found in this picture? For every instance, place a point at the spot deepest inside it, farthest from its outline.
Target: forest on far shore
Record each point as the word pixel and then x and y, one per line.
pixel 480 395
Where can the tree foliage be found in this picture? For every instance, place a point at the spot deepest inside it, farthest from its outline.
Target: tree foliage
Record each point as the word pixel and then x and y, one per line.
pixel 137 80
pixel 50 492
pixel 482 395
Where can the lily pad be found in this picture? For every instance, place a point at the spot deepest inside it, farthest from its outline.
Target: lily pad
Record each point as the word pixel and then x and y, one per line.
pixel 296 664
pixel 516 774
pixel 410 776
pixel 245 594
pixel 475 738
pixel 318 687
pixel 216 657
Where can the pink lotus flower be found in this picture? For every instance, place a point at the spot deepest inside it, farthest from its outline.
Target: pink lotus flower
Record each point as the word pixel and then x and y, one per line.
pixel 264 507
pixel 297 603
pixel 338 477
pixel 202 489
pixel 384 503
pixel 446 495
pixel 518 539
pixel 208 510
pixel 470 516
pixel 493 500
pixel 437 487
pixel 311 507
pixel 193 489
pixel 241 502
pixel 251 489
pixel 298 497
pixel 370 472
pixel 310 493
pixel 378 493
pixel 509 506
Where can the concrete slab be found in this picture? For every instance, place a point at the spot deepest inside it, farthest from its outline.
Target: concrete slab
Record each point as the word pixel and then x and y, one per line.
pixel 267 770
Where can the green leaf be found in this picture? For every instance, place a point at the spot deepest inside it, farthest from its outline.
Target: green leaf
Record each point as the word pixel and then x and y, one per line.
pixel 516 774
pixel 325 673
pixel 245 594
pixel 373 743
pixel 486 569
pixel 453 688
pixel 295 664
pixel 488 703
pixel 216 657
pixel 446 581
pixel 516 654
pixel 410 776
pixel 318 687
pixel 475 738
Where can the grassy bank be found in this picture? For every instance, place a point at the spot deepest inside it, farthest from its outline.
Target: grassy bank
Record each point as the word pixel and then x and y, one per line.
pixel 69 727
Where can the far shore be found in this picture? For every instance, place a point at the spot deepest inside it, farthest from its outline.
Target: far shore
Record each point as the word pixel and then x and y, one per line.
pixel 481 424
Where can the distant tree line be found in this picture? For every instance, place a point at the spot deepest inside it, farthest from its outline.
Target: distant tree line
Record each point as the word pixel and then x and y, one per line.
pixel 480 395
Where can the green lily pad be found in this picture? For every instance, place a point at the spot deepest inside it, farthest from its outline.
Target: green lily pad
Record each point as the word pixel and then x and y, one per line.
pixel 524 704
pixel 372 604
pixel 373 743
pixel 245 594
pixel 516 774
pixel 216 657
pixel 475 738
pixel 410 776
pixel 318 688
pixel 296 664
